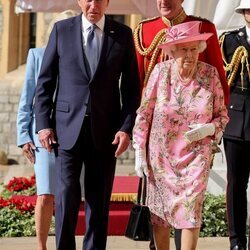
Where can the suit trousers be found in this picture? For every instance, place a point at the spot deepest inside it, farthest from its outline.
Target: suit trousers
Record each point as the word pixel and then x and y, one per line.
pixel 98 182
pixel 238 167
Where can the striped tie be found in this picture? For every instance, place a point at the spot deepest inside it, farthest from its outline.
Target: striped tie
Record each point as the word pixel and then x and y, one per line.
pixel 92 48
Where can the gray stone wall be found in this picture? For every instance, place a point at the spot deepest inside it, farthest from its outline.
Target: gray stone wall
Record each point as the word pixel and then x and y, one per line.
pixel 127 158
pixel 9 99
pixel 1 28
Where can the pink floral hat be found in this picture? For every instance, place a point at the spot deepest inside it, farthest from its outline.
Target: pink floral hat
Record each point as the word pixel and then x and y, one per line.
pixel 184 32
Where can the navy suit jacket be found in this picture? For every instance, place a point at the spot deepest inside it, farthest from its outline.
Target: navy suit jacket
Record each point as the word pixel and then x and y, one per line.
pixel 114 88
pixel 238 127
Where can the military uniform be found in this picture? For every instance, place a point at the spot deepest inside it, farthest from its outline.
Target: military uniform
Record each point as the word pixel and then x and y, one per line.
pixel 150 33
pixel 235 49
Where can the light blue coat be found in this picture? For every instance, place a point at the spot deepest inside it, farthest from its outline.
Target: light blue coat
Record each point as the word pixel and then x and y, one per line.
pixel 25 116
pixel 45 162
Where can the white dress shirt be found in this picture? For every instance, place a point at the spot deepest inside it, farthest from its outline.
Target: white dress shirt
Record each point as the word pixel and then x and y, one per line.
pixel 99 31
pixel 248 34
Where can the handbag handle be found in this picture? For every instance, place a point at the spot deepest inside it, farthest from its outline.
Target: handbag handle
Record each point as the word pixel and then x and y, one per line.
pixel 142 189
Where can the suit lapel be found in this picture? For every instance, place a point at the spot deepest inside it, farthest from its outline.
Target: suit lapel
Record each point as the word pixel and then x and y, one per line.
pixel 76 31
pixel 108 41
pixel 109 37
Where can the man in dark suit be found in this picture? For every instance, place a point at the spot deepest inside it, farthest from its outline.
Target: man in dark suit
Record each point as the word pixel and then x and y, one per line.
pixel 93 115
pixel 235 49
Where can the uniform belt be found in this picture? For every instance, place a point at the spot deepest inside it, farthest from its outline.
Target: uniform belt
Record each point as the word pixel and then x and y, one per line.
pixel 240 91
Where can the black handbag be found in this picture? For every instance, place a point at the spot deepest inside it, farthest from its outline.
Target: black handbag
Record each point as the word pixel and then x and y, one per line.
pixel 139 227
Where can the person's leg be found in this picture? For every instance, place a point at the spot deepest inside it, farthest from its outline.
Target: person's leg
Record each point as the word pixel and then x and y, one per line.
pixel 189 238
pixel 161 237
pixel 151 243
pixel 99 176
pixel 177 238
pixel 98 188
pixel 237 156
pixel 45 184
pixel 68 195
pixel 43 214
pixel 98 181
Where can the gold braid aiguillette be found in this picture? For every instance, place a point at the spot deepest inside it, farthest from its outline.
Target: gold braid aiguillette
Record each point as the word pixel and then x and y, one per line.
pixel 153 48
pixel 240 56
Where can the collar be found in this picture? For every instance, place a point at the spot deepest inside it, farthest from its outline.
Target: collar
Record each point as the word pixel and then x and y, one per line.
pixel 248 32
pixel 179 19
pixel 86 24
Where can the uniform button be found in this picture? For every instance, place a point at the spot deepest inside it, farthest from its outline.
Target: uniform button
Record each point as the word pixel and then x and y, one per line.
pixel 231 106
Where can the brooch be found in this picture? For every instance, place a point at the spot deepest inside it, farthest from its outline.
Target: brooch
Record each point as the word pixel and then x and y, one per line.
pixel 177 89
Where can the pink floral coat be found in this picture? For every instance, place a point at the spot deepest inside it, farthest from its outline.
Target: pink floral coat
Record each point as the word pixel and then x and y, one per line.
pixel 179 170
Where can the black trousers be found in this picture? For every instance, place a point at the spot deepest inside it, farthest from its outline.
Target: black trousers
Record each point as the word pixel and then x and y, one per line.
pixel 238 168
pixel 98 181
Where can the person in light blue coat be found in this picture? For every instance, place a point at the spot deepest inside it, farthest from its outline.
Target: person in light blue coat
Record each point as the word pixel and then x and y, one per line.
pixel 27 139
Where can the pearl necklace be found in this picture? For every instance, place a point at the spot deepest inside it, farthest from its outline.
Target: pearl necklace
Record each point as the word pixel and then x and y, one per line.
pixel 182 81
pixel 186 80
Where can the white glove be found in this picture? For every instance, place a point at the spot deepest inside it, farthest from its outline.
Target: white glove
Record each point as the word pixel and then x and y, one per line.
pixel 141 166
pixel 199 131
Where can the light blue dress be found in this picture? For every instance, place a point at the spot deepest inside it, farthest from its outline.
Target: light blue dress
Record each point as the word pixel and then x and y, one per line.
pixel 45 162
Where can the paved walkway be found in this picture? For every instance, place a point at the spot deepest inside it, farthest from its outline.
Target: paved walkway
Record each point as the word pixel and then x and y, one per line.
pixel 114 243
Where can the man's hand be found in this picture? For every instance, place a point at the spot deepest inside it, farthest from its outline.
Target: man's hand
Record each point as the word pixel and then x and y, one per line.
pixel 123 140
pixel 141 166
pixel 47 138
pixel 199 131
pixel 28 151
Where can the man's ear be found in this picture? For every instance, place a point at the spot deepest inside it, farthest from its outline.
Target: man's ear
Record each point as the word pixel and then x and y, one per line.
pixel 107 3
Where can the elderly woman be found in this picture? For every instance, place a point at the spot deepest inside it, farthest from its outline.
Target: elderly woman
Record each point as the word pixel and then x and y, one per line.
pixel 182 110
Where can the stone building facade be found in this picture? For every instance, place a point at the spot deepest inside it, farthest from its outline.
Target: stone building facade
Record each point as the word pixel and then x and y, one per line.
pixel 9 98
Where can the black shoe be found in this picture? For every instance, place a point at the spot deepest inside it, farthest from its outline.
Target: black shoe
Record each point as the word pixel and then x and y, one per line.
pixel 237 247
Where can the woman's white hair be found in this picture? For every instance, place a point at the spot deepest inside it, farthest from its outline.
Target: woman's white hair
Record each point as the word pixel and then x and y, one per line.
pixel 61 16
pixel 169 50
